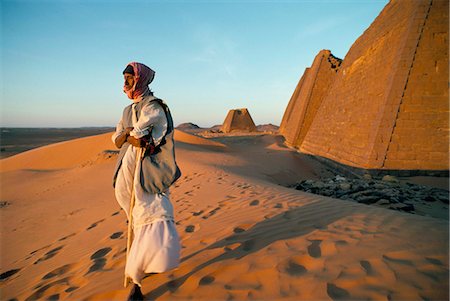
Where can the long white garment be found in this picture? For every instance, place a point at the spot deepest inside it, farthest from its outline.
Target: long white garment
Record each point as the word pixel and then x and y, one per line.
pixel 155 249
pixel 148 207
pixel 156 245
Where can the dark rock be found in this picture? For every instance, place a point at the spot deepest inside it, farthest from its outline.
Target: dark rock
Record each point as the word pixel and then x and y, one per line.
pixel 327 192
pixel 429 198
pixel 367 176
pixel 389 178
pixel 368 199
pixel 388 193
pixel 383 202
pixel 379 186
pixel 407 207
pixel 345 186
pixel 339 178
pixel 318 185
pixel 443 199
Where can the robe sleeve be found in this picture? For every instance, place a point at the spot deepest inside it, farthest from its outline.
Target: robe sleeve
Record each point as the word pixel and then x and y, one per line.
pixel 119 131
pixel 152 116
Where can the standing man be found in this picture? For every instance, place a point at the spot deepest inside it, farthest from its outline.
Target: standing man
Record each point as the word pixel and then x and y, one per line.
pixel 145 170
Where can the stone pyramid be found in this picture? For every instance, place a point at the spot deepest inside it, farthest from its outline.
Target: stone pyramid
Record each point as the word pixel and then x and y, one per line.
pixel 385 106
pixel 238 120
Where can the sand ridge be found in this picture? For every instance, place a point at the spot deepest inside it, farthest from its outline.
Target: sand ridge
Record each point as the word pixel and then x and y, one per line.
pixel 244 236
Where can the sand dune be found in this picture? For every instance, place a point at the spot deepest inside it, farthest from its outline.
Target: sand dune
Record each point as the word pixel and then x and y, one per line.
pixel 60 155
pixel 244 236
pixel 184 137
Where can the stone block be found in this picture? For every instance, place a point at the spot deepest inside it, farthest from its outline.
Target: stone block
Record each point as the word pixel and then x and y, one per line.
pixel 388 77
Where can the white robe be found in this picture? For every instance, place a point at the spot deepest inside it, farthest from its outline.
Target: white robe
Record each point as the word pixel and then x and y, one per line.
pixel 156 244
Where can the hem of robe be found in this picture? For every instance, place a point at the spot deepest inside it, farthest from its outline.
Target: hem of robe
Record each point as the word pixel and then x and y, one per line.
pixel 159 241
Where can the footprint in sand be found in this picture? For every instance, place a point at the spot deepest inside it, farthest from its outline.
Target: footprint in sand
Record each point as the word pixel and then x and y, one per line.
pixel 58 271
pixel 292 267
pixel 4 276
pixel 49 254
pixel 189 229
pixel 254 203
pixel 99 260
pixel 66 237
pixel 397 260
pixel 35 251
pixel 116 235
pixel 71 289
pixel 197 213
pixel 367 267
pixel 189 192
pixel 95 224
pixel 337 293
pixel 55 285
pixel 206 280
pixel 341 243
pixel 314 249
pixel 238 230
pixel 434 261
pixel 211 213
pixel 54 297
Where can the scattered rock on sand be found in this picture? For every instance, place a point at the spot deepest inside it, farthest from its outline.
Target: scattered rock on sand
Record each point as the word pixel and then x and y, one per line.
pixel 387 192
pixel 4 204
pixel 388 178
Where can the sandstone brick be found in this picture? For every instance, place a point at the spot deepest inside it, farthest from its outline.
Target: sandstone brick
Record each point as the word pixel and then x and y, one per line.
pixel 432 165
pixel 438 156
pixel 388 103
pixel 400 164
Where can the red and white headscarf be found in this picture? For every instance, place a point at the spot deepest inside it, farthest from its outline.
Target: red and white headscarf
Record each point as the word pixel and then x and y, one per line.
pixel 143 76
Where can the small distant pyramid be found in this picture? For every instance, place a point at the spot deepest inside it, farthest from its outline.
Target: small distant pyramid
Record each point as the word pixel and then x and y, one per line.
pixel 238 120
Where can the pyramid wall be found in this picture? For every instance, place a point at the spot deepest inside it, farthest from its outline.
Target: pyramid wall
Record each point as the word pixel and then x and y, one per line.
pixel 308 96
pixel 290 124
pixel 238 120
pixel 356 122
pixel 420 138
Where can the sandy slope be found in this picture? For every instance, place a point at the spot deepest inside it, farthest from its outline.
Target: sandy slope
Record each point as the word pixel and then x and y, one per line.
pixel 244 237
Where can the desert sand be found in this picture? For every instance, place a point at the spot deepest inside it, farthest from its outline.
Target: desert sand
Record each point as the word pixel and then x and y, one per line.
pixel 244 235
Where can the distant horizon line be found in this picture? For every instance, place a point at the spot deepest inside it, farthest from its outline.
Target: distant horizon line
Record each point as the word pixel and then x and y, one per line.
pixel 56 127
pixel 99 127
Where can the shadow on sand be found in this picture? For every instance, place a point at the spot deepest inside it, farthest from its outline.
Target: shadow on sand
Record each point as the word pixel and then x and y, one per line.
pixel 292 223
pixel 255 152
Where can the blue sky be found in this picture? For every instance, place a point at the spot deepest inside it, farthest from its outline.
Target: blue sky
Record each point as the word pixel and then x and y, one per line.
pixel 62 61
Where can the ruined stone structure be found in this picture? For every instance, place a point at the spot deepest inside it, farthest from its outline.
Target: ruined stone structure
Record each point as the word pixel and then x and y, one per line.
pixel 307 98
pixel 386 105
pixel 238 120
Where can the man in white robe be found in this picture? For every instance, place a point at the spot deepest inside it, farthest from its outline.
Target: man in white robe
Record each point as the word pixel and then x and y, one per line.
pixel 156 245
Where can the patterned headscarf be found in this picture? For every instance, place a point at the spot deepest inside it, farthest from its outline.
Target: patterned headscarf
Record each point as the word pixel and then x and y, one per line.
pixel 143 76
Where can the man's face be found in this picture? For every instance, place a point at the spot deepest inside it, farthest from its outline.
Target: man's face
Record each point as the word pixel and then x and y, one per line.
pixel 129 81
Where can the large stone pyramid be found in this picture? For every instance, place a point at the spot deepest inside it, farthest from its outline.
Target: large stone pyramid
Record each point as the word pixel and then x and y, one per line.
pixel 238 120
pixel 385 106
pixel 307 98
